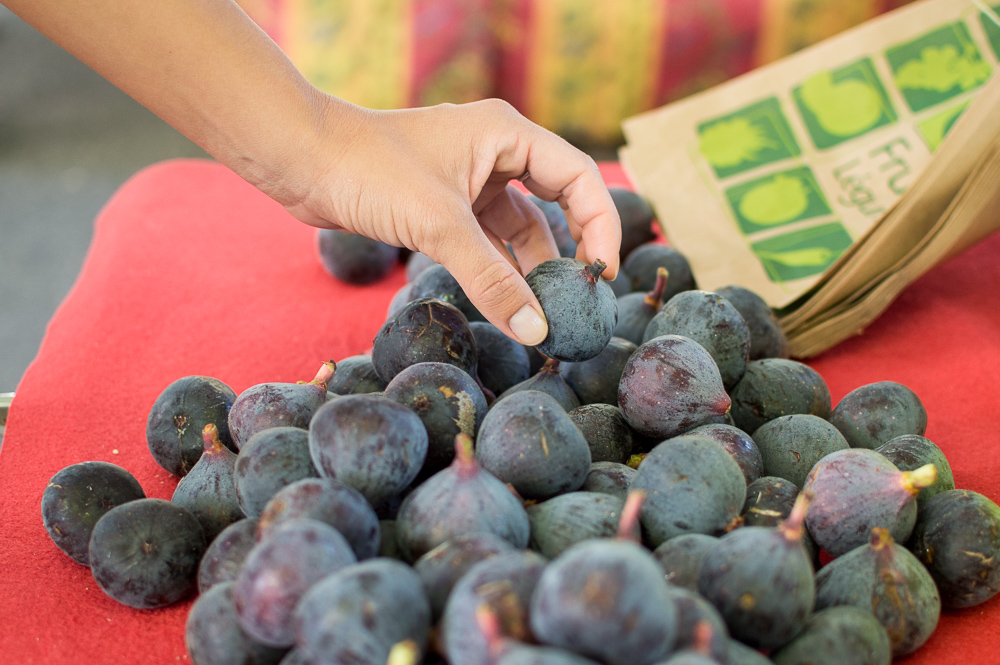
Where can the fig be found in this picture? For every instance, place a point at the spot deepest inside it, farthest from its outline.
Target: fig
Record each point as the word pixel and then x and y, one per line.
pixel 761 580
pixel 399 298
pixel 681 558
pixel 737 443
pixel 595 381
pixel 871 415
pixel 223 560
pixel 548 380
pixel 556 219
pixel 909 452
pixel 424 330
pixel 209 489
pixel 773 387
pixel 957 537
pixel 502 362
pixel 692 486
pixel 355 259
pixel 767 339
pixel 416 263
pixel 78 496
pixel 642 262
pixel 637 219
pixel 213 635
pixel 508 651
pixel 769 502
pixel 442 567
pixel 608 478
pixel 870 574
pixel 373 444
pixel 355 375
pixel 670 385
pixel 563 521
pixel 580 307
pixel 710 320
pixel 460 500
pixel 700 627
pixel 436 282
pixel 858 489
pixel 636 310
pixel 791 445
pixel 180 413
pixel 608 435
pixel 269 460
pixel 278 405
pixel 838 635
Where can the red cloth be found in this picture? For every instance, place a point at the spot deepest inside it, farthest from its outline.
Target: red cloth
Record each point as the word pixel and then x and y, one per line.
pixel 192 271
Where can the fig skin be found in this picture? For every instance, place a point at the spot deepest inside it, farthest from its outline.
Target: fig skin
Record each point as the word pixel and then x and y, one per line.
pixel 636 310
pixel 608 435
pixel 609 478
pixel 529 441
pixel 767 339
pixel 502 362
pixel 424 330
pixel 548 380
pixel 441 568
pixel 957 537
pixel 681 558
pixel 710 320
pixel 213 635
pixel 180 413
pixel 838 635
pixel 595 381
pixel 355 375
pixel 670 385
pixel 909 452
pixel 437 282
pixel 269 460
pixel 769 502
pixel 636 217
pixel 868 575
pixel 872 414
pixel 580 307
pixel 209 489
pixel 737 443
pixel 856 490
pixel 791 445
pixel 353 258
pixel 80 495
pixel 563 521
pixel 223 560
pixel 692 485
pixel 642 262
pixel 556 219
pixel 774 387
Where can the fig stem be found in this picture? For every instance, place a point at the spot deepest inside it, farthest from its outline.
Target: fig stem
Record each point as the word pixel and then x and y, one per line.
pixel 795 523
pixel 324 374
pixel 879 539
pixel 655 297
pixel 628 523
pixel 594 271
pixel 210 437
pixel 551 365
pixel 465 457
pixel 916 480
pixel 489 626
pixel 404 653
pixel 635 460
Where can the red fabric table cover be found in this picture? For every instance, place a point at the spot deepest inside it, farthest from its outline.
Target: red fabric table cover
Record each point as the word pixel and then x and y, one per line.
pixel 192 271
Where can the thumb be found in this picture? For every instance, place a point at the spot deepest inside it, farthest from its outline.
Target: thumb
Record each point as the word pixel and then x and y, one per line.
pixel 492 283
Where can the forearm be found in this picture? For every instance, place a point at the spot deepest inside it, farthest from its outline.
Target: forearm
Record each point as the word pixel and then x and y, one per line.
pixel 206 69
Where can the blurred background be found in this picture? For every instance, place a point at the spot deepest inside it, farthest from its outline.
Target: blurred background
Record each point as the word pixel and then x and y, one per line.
pixel 68 138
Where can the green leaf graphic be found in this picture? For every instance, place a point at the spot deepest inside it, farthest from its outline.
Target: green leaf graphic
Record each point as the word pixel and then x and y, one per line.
pixel 842 108
pixel 778 200
pixel 941 68
pixel 730 142
pixel 813 256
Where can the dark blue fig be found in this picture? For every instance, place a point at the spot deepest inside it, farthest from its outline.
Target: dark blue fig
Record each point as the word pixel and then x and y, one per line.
pixel 791 445
pixel 609 478
pixel 359 613
pixel 268 461
pixel 769 502
pixel 556 219
pixel 607 599
pixel 353 258
pixel 621 284
pixel 886 580
pixel 670 385
pixel 700 627
pixel 442 567
pixel 424 330
pixel 399 298
pixel 838 635
pixel 857 490
pixel 502 361
pixel 514 652
pixel 529 441
pixel 448 402
pixel 548 380
pixel 909 452
pixel 637 219
pixel 223 560
pixel 563 521
pixel 607 433
pixel 373 444
pixel 535 359
pixel 595 381
pixel 710 320
pixel 642 262
pixel 180 413
pixel 268 405
pixel 355 375
pixel 871 415
pixel 741 654
pixel 692 486
pixel 437 282
pixel 767 339
pixel 213 635
pixel 209 489
pixel 504 584
pixel 737 443
pixel 580 307
pixel 774 387
pixel 636 310
pixel 957 537
pixel 78 496
pixel 761 581
pixel 145 553
pixel 460 500
pixel 416 263
pixel 681 558
pixel 279 570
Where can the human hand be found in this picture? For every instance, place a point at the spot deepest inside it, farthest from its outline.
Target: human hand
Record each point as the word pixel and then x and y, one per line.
pixel 436 179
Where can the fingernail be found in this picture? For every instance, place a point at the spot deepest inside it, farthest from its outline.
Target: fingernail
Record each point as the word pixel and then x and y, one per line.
pixel 528 326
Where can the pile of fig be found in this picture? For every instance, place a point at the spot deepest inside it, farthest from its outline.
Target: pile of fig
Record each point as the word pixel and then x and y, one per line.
pixel 657 482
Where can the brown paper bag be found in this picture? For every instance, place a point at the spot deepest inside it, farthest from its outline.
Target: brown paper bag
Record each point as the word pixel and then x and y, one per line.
pixel 831 179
